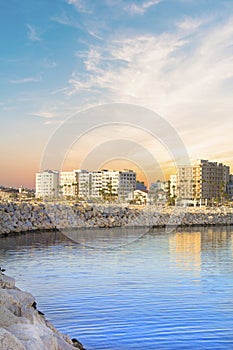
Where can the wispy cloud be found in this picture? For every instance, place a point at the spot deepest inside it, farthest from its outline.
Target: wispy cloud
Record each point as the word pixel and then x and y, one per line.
pixel 47 114
pixel 189 24
pixel 51 115
pixel 80 5
pixel 95 35
pixel 32 33
pixel 165 62
pixel 26 80
pixel 65 20
pixel 186 78
pixel 140 9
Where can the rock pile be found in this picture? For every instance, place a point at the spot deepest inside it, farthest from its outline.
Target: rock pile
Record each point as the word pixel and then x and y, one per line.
pixel 20 217
pixel 22 326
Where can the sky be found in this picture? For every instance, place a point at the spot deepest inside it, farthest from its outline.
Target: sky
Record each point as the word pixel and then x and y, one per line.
pixel 60 58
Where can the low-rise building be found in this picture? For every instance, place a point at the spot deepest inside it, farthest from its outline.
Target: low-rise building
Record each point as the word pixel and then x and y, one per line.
pixel 140 197
pixel 9 193
pixel 158 192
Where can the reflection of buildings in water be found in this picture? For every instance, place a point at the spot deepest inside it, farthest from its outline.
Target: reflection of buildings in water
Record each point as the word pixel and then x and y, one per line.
pixel 32 239
pixel 231 243
pixel 185 250
pixel 213 237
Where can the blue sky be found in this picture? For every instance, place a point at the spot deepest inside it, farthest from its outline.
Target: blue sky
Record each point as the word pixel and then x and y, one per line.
pixel 58 57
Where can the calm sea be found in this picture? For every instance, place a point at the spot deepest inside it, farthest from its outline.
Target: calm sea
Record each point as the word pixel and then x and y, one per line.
pixel 130 289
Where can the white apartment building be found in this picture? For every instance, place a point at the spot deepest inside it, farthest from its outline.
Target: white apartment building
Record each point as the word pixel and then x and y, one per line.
pixel 113 183
pixel 84 183
pixel 68 183
pixel 110 182
pixel 47 184
pixel 76 183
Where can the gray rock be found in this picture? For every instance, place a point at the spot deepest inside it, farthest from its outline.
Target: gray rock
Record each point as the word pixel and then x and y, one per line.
pixel 22 326
pixel 9 342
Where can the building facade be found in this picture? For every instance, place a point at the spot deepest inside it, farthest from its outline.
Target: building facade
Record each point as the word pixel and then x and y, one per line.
pixel 96 185
pixel 68 183
pixel 47 184
pixel 230 187
pixel 127 183
pixel 204 181
pixel 83 183
pixel 105 184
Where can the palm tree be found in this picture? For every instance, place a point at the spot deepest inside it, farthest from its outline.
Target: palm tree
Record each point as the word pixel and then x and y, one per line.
pixel 75 185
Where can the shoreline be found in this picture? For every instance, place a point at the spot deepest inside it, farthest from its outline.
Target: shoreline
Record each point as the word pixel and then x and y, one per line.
pixel 23 326
pixel 16 234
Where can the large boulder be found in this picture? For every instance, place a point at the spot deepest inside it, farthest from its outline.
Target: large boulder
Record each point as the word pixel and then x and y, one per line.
pixel 22 326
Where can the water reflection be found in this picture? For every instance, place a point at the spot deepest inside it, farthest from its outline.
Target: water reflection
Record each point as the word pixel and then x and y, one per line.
pixel 162 291
pixel 185 250
pixel 32 240
pixel 106 238
pixel 188 245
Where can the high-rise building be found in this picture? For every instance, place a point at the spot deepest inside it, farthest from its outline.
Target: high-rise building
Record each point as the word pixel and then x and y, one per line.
pixel 204 180
pixel 213 179
pixel 230 187
pixel 47 184
pixel 185 180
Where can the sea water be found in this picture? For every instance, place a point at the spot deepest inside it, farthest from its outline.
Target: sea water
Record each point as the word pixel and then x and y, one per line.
pixel 128 288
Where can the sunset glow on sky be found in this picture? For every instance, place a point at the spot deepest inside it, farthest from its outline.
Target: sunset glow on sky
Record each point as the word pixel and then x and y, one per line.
pixel 172 57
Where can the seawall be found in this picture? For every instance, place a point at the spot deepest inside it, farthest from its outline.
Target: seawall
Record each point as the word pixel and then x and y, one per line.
pixel 20 217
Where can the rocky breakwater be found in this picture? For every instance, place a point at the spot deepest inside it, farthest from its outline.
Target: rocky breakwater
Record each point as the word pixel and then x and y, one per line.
pixel 21 217
pixel 184 216
pixel 74 216
pixel 23 327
